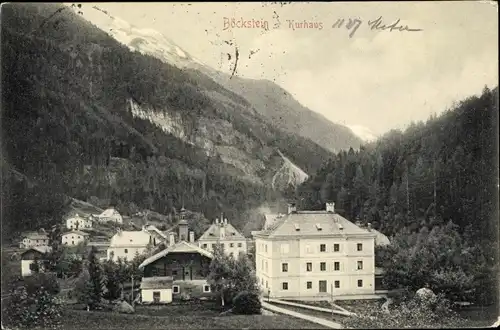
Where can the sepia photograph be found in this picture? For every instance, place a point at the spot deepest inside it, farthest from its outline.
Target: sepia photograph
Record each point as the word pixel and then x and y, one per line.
pixel 249 165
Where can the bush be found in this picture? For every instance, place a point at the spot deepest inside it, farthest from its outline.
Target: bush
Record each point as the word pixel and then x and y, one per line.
pixel 48 281
pixel 247 303
pixel 30 309
pixel 412 313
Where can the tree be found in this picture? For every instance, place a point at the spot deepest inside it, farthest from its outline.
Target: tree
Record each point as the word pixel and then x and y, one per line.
pixel 439 258
pixel 91 285
pixel 220 273
pixel 34 304
pixel 229 276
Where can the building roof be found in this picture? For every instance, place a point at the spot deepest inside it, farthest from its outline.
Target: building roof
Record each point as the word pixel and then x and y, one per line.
pixel 153 229
pixel 270 219
pixel 313 223
pixel 214 233
pixel 77 232
pixel 77 217
pixel 380 239
pixel 180 247
pixel 157 282
pixel 41 249
pixel 130 238
pixel 36 235
pixel 108 213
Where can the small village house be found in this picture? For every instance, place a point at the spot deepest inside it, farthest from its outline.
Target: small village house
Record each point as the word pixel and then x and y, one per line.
pixel 223 233
pixel 109 215
pixel 311 254
pixel 32 239
pixel 74 237
pixel 179 271
pixel 156 290
pixel 77 222
pixel 33 257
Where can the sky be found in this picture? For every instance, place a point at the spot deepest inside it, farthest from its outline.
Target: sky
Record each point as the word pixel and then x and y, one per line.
pixel 378 79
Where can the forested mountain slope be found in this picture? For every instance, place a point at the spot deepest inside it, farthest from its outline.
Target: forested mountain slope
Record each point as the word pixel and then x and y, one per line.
pixel 434 190
pixel 433 172
pixel 84 116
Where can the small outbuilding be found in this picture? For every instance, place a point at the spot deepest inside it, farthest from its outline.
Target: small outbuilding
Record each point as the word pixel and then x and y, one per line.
pixel 156 290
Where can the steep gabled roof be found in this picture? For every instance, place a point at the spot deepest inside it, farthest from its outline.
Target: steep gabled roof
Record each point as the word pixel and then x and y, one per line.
pixel 214 233
pixel 180 247
pixel 108 213
pixel 313 223
pixel 40 249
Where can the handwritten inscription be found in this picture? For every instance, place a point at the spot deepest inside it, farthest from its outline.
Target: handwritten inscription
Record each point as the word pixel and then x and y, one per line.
pixel 350 24
pixel 379 25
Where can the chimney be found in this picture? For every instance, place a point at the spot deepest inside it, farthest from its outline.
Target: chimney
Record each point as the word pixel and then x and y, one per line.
pixel 171 238
pixel 369 226
pixel 217 221
pixel 191 236
pixel 330 207
pixel 292 208
pixel 225 221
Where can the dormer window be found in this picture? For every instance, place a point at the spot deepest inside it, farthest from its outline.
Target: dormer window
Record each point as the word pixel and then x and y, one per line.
pixel 297 227
pixel 318 226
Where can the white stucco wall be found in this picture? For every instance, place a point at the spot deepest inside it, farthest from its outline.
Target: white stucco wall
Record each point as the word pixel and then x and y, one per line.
pixel 119 252
pixel 297 253
pixel 165 295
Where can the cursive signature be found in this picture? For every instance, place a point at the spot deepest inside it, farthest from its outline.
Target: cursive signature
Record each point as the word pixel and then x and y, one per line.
pixel 379 25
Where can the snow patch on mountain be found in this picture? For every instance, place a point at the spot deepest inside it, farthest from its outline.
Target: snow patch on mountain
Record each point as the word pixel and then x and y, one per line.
pixel 362 132
pixel 147 41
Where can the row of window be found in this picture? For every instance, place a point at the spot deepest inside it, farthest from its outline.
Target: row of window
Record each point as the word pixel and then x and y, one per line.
pixel 285 248
pixel 222 245
pixel 321 284
pixel 322 266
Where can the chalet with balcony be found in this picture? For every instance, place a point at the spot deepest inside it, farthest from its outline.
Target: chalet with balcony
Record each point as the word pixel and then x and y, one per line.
pixel 178 272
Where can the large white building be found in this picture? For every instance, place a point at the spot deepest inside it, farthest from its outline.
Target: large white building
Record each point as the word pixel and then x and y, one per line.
pixel 77 222
pixel 310 254
pixel 127 244
pixel 223 233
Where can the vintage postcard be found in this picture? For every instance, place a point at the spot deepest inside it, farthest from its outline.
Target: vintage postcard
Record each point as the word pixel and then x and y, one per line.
pixel 239 165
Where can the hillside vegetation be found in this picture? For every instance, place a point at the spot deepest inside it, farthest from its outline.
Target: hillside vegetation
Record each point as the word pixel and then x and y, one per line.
pixel 68 126
pixel 435 188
